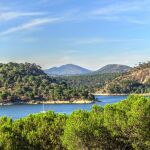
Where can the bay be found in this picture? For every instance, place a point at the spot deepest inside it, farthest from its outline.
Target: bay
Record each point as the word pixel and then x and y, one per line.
pixel 19 111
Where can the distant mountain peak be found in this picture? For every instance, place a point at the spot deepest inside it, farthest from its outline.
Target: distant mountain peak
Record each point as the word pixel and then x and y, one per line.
pixel 114 68
pixel 71 69
pixel 68 69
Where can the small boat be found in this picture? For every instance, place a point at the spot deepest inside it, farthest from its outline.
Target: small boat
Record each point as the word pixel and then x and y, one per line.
pixel 43 111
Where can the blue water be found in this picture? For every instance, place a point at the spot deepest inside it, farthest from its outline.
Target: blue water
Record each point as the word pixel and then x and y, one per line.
pixel 18 111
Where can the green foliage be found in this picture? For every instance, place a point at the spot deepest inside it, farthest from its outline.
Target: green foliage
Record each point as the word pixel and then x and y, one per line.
pixel 85 130
pixel 90 82
pixel 126 87
pixel 40 131
pixel 121 126
pixel 130 121
pixel 137 80
pixel 24 82
pixel 6 135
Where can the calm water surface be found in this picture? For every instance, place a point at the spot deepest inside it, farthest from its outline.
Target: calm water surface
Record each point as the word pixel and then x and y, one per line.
pixel 18 111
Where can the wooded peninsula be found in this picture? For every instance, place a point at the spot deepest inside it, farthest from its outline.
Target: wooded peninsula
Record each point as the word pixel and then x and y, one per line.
pixel 28 83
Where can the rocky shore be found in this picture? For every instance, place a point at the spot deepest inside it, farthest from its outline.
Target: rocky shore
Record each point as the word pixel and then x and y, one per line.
pixel 80 101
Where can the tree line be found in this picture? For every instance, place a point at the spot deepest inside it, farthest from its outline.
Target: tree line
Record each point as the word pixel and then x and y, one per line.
pixel 92 82
pixel 121 126
pixel 24 82
pixel 113 83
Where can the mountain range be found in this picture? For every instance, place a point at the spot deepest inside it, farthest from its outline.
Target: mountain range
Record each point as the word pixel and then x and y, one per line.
pixel 71 69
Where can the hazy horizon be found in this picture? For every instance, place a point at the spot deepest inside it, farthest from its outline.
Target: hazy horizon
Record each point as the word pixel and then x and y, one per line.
pixel 91 69
pixel 88 33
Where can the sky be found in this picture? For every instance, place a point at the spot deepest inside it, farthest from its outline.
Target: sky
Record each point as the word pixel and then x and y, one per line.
pixel 89 33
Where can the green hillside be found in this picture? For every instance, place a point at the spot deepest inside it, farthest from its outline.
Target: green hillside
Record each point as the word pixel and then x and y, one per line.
pixel 25 82
pixel 113 68
pixel 137 80
pixel 92 81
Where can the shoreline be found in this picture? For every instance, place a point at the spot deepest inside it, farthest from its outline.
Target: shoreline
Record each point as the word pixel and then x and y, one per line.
pixel 80 101
pixel 48 102
pixel 62 102
pixel 108 94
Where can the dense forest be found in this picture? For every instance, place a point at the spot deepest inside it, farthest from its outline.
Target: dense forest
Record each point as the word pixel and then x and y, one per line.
pixel 121 126
pixel 136 80
pixel 24 82
pixel 92 82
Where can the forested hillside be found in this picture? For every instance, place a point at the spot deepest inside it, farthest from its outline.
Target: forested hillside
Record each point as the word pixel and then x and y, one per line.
pixel 113 68
pixel 121 126
pixel 24 82
pixel 137 80
pixel 90 82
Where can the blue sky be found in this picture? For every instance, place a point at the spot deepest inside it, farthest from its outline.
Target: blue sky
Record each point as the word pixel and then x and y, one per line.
pixel 90 33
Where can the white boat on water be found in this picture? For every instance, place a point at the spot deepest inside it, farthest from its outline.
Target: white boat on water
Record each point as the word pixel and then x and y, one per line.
pixel 43 111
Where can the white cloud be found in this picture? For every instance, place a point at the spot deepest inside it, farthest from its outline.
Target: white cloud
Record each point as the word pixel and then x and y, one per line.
pixel 5 16
pixel 99 40
pixel 117 9
pixel 29 25
pixel 134 12
pixel 124 11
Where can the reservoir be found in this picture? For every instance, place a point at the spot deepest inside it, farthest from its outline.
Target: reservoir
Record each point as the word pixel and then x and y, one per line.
pixel 19 111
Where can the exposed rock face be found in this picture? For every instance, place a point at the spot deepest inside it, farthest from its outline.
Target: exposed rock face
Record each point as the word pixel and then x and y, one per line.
pixel 135 80
pixel 143 76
